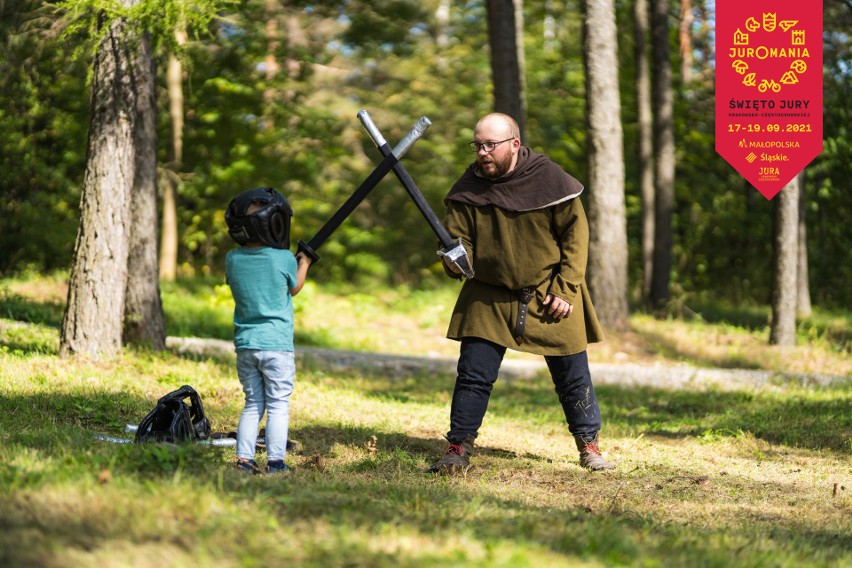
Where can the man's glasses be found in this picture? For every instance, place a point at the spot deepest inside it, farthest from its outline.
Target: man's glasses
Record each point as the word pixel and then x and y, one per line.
pixel 487 146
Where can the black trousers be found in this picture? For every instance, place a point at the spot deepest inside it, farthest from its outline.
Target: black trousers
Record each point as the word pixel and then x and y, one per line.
pixel 478 366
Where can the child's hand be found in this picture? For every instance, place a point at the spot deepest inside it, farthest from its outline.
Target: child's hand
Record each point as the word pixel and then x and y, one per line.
pixel 302 257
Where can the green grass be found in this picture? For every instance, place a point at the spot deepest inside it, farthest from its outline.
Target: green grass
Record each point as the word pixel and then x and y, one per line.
pixel 757 476
pixel 413 322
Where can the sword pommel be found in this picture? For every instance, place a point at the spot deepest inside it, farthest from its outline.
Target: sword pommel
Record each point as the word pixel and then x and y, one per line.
pixel 374 132
pixel 408 140
pixel 413 135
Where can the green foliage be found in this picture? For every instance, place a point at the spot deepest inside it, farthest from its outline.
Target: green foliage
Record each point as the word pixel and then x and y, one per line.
pixel 295 129
pixel 384 26
pixel 42 151
pixel 556 107
pixel 198 309
pixel 827 180
pixel 91 19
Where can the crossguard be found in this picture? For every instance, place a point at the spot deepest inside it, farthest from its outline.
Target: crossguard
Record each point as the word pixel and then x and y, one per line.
pixel 458 256
pixel 304 247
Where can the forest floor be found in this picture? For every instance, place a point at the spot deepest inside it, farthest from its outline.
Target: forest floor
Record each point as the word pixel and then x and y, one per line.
pixel 728 451
pixel 523 366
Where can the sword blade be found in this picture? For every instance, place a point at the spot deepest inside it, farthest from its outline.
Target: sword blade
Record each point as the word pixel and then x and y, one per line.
pixel 421 203
pixel 348 206
pixel 391 158
pixel 408 183
pixel 451 249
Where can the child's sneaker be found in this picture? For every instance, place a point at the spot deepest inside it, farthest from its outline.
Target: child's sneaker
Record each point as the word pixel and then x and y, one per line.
pixel 247 466
pixel 277 466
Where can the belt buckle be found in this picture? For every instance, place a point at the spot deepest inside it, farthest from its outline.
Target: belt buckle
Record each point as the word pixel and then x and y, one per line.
pixel 525 295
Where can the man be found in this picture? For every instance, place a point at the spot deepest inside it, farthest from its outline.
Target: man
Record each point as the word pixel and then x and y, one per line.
pixel 525 231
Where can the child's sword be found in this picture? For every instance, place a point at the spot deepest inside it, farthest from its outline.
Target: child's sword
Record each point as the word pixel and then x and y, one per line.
pixel 391 158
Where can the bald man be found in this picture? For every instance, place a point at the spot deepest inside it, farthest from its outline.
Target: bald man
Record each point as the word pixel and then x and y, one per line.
pixel 525 231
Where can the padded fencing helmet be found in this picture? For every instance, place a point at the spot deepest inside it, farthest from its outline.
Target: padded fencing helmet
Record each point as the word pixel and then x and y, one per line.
pixel 269 225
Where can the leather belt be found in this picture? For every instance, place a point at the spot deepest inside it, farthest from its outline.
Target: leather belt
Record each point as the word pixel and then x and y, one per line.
pixel 525 296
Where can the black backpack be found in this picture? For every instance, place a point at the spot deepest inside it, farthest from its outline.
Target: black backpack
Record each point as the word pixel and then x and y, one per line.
pixel 173 420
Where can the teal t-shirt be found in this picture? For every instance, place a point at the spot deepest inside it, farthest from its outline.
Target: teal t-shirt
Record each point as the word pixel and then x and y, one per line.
pixel 260 279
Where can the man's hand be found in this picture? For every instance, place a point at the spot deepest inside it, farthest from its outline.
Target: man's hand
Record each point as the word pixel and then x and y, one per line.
pixel 559 308
pixel 454 268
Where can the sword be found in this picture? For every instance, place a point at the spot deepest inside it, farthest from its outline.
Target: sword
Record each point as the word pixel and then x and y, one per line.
pixel 453 250
pixel 391 158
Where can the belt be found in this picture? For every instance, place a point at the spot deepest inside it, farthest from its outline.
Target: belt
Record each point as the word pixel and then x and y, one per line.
pixel 525 296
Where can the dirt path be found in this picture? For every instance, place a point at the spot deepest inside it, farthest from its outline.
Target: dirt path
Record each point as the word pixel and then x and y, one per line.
pixel 657 376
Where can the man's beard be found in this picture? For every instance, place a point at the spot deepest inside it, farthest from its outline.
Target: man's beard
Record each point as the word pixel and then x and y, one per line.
pixel 495 168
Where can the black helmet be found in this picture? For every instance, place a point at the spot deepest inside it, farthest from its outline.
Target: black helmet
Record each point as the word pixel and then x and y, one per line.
pixel 269 225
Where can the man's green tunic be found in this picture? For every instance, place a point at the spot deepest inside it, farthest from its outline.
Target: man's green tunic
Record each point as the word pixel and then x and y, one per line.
pixel 527 228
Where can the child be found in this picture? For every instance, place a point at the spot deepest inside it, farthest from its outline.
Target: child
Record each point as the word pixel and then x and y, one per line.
pixel 263 276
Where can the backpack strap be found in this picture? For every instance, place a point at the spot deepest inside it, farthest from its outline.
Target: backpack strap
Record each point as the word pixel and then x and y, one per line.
pixel 185 425
pixel 143 433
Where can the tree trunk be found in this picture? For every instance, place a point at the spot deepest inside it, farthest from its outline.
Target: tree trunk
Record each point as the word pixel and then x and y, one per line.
pixel 607 266
pixel 442 24
pixel 664 150
pixel 783 329
pixel 548 39
pixel 270 60
pixel 92 323
pixel 297 40
pixel 506 65
pixel 646 142
pixel 143 311
pixel 442 34
pixel 705 30
pixel 803 289
pixel 685 34
pixel 522 65
pixel 169 238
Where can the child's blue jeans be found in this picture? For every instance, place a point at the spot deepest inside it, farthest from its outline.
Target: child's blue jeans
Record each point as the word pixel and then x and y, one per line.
pixel 267 378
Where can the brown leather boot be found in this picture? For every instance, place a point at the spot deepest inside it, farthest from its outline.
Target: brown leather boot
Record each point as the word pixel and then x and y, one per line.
pixel 456 458
pixel 590 454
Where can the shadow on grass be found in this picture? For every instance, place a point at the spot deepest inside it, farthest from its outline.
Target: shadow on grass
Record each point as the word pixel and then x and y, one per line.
pixel 594 525
pixel 595 521
pixel 669 348
pixel 86 432
pixel 196 320
pixel 812 418
pixel 796 417
pixel 19 308
pixel 832 326
pixel 752 318
pixel 479 528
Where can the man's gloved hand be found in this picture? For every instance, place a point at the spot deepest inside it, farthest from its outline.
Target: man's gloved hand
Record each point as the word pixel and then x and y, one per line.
pixel 454 268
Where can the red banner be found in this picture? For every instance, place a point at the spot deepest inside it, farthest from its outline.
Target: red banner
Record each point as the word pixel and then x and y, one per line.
pixel 768 88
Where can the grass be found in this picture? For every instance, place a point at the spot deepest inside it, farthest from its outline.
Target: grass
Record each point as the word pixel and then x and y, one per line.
pixel 756 476
pixel 413 322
